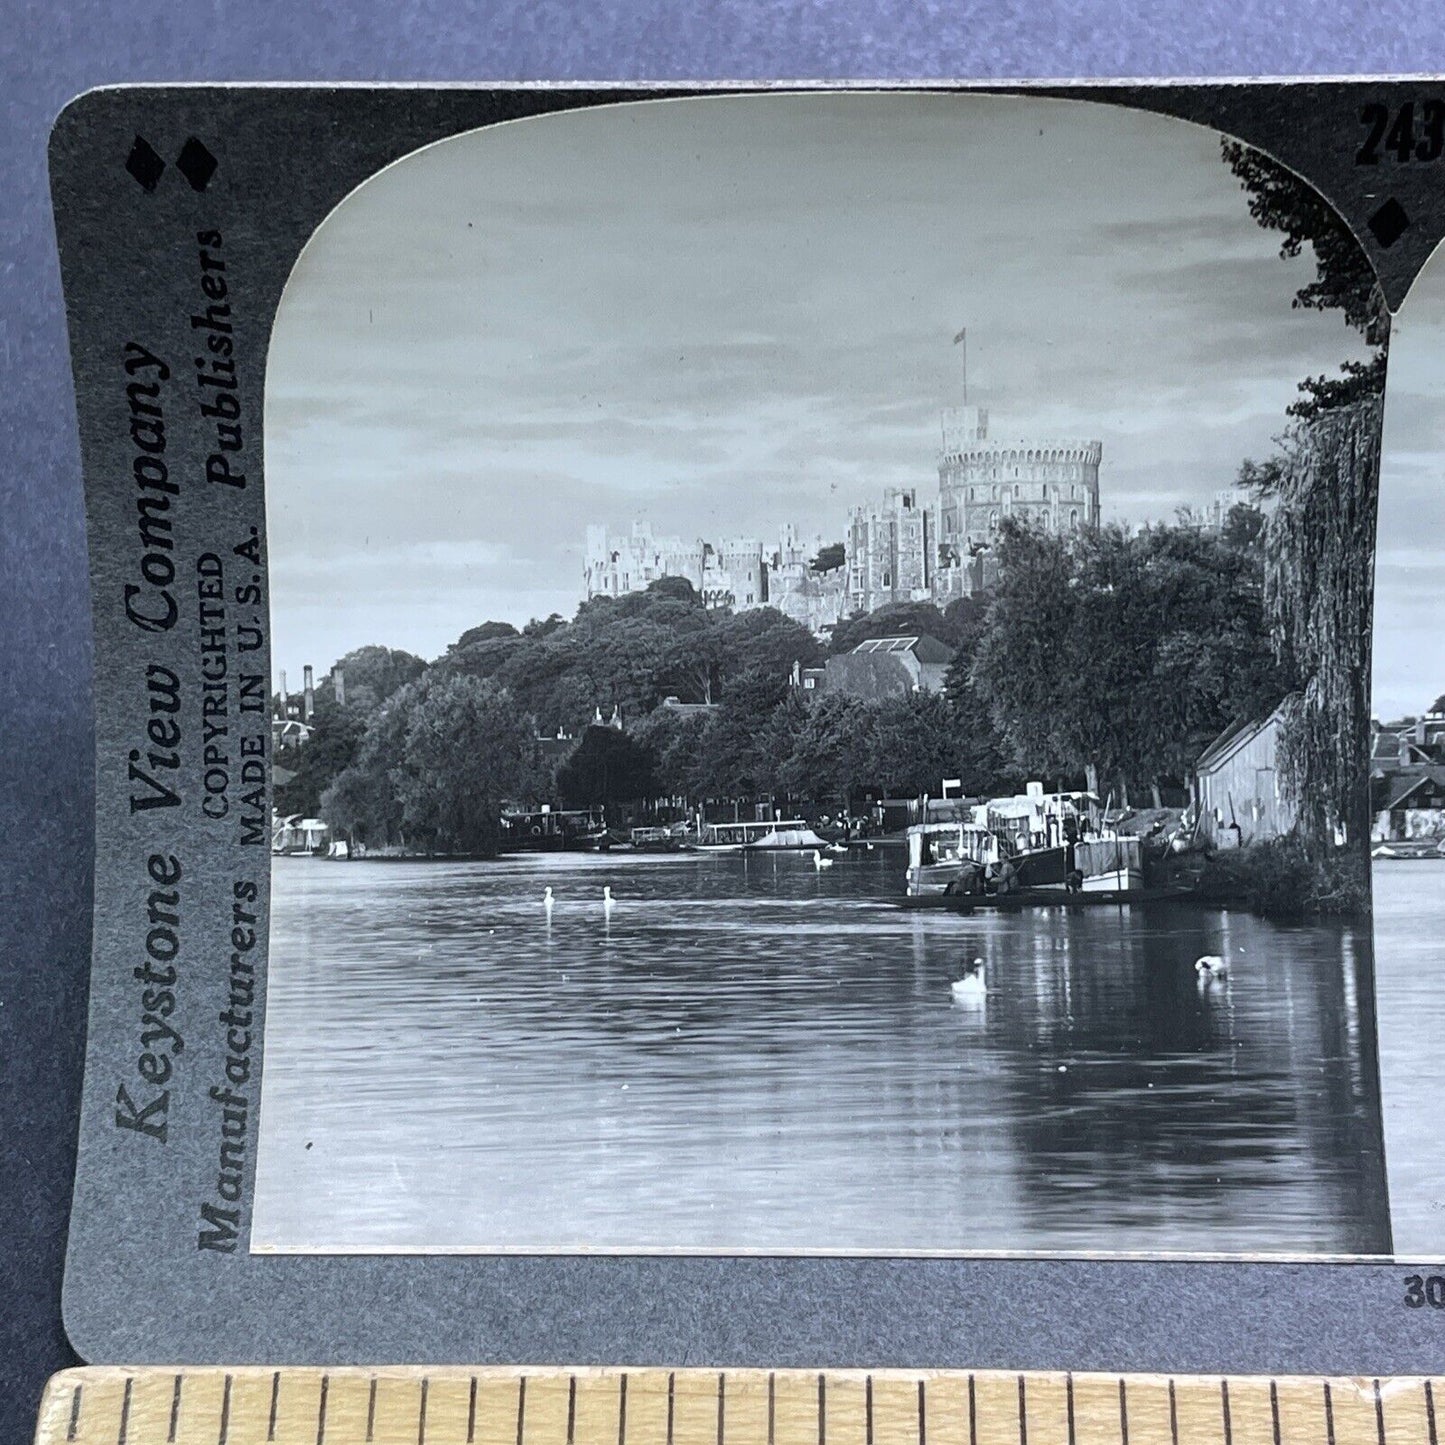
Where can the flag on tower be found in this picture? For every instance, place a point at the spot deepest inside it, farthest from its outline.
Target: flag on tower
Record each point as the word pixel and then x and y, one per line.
pixel 960 336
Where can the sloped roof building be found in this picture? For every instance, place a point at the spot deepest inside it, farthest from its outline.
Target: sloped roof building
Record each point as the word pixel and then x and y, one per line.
pixel 889 667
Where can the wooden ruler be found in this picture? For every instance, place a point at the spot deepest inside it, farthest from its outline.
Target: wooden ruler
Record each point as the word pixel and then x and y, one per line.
pixel 112 1405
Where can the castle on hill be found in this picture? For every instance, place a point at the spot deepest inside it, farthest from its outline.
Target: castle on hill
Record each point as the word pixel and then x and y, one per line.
pixel 906 547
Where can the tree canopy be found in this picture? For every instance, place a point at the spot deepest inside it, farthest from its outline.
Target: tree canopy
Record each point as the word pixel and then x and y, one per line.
pixel 1123 655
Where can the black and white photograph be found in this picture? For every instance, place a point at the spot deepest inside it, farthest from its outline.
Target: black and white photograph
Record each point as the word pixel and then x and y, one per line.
pixel 822 694
pixel 1407 765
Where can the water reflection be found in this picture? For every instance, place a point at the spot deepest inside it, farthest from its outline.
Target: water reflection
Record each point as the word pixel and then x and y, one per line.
pixel 1410 945
pixel 751 1053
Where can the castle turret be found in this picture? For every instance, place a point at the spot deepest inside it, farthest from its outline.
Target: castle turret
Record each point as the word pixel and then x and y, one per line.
pixel 983 480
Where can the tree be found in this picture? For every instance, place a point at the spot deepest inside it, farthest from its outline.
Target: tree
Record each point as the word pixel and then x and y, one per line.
pixel 544 626
pixel 1319 540
pixel 1344 278
pixel 675 741
pixel 362 801
pixel 370 675
pixel 468 750
pixel 734 760
pixel 607 767
pixel 675 589
pixel 829 558
pixel 483 653
pixel 1243 527
pixel 762 640
pixel 1120 657
pixel 486 632
pixel 1279 200
pixel 910 744
pixel 327 753
pixel 831 750
pixel 895 619
pixel 1030 663
pixel 1319 593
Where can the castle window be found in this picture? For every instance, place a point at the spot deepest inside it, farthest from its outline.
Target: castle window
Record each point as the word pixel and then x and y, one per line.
pixel 1074 519
pixel 887 579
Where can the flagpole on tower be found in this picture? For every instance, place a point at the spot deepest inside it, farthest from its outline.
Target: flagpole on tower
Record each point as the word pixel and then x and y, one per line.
pixel 962 339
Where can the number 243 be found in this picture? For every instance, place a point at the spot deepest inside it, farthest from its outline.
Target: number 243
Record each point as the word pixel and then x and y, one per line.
pixel 1414 135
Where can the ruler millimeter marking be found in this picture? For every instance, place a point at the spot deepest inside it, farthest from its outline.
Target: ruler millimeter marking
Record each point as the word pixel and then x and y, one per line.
pixel 396 1405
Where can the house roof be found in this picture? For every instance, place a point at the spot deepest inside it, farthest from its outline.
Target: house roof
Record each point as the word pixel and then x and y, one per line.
pixel 1234 737
pixel 923 647
pixel 1403 785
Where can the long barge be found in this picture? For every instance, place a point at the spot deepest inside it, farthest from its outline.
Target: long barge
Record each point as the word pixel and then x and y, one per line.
pixel 1037 898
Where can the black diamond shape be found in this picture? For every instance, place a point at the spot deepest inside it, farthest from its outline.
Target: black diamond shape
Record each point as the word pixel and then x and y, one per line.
pixel 1389 223
pixel 196 164
pixel 144 164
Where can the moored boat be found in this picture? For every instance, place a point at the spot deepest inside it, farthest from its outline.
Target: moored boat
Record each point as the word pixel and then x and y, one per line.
pixel 778 835
pixel 1030 842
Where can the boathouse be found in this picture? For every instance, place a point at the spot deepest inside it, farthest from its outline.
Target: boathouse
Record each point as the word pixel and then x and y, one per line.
pixel 1236 788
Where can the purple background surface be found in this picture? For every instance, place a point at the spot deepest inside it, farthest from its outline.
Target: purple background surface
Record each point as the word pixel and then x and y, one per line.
pixel 50 53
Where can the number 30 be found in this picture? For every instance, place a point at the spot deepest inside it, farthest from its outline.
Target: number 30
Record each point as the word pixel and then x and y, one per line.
pixel 1421 1290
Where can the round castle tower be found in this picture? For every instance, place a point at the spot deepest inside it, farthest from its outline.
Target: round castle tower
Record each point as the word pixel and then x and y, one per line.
pixel 981 481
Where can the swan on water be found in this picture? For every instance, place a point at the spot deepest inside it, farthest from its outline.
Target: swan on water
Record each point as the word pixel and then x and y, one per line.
pixel 820 862
pixel 547 900
pixel 837 847
pixel 607 899
pixel 973 986
pixel 1211 965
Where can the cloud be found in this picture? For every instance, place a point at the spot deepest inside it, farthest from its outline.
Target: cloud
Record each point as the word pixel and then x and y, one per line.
pixel 738 312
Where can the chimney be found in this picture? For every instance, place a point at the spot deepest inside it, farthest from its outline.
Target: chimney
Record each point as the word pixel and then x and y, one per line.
pixel 338 686
pixel 310 706
pixel 284 697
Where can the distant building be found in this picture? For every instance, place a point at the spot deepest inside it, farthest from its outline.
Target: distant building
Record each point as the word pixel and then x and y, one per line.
pixel 689 709
pixel 888 667
pixel 809 679
pixel 984 480
pixel 1407 779
pixel 905 547
pixel 815 600
pixel 735 573
pixel 892 551
pixel 619 563
pixel 1236 786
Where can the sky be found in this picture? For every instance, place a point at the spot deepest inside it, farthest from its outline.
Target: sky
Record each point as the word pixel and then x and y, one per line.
pixel 724 314
pixel 1409 653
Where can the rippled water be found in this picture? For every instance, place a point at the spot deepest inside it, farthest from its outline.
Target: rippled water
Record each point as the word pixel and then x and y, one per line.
pixel 1410 945
pixel 751 1053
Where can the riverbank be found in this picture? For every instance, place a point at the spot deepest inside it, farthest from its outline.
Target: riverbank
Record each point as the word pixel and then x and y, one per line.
pixel 1280 879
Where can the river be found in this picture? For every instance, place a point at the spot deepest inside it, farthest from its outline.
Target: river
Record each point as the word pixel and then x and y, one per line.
pixel 753 1053
pixel 1410 988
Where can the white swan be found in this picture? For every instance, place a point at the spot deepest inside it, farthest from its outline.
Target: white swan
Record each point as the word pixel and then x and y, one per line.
pixel 1211 965
pixel 820 862
pixel 972 988
pixel 607 899
pixel 837 847
pixel 547 902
